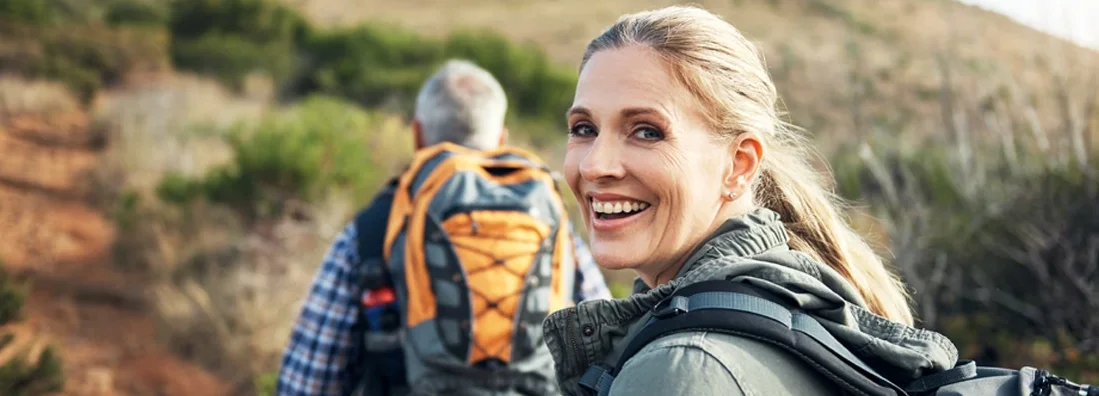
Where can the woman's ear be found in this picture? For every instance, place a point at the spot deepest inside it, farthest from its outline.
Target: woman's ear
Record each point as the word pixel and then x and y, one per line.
pixel 746 155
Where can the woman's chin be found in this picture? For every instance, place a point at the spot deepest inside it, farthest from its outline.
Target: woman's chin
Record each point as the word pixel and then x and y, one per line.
pixel 615 260
pixel 615 266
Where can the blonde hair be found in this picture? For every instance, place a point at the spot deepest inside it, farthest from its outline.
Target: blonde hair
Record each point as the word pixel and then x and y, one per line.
pixel 727 74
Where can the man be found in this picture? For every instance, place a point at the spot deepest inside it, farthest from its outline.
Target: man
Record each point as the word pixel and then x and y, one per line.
pixel 461 104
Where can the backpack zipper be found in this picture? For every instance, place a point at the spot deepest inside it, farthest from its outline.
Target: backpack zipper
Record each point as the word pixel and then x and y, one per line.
pixel 1044 382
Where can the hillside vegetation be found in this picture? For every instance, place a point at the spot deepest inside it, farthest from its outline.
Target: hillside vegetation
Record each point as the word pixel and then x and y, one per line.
pixel 29 366
pixel 844 68
pixel 245 133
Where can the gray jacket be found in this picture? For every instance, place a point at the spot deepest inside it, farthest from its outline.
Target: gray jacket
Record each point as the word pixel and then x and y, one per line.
pixel 749 248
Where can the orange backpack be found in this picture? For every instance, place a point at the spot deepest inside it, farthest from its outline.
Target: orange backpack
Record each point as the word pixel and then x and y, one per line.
pixel 479 252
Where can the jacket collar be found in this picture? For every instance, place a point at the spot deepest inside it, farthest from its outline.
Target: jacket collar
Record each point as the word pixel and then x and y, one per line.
pixel 750 248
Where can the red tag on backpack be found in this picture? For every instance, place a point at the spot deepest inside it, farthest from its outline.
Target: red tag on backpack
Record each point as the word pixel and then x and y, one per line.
pixel 378 297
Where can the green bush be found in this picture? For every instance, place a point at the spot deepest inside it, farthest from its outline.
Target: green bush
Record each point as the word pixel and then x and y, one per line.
pixel 11 298
pixel 230 58
pixel 372 64
pixel 266 384
pixel 260 21
pixel 59 13
pixel 18 375
pixel 137 12
pixel 84 57
pixel 369 64
pixel 231 38
pixel 35 12
pixel 18 378
pixel 304 153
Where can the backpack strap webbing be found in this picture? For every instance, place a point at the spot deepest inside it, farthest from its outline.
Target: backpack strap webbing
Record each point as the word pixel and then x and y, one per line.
pixel 370 230
pixel 739 309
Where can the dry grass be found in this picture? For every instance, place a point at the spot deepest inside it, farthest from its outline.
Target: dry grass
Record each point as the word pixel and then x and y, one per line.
pixel 20 96
pixel 233 310
pixel 170 123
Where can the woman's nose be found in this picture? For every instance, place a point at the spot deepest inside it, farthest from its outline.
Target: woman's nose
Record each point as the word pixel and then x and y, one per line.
pixel 603 160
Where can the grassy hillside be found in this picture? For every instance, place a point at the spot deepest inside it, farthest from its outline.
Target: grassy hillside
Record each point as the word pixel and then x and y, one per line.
pixel 844 67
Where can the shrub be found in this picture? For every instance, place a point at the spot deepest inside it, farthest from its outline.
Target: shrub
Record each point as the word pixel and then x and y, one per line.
pixel 33 369
pixel 231 38
pixel 305 153
pixel 20 377
pixel 35 12
pixel 84 57
pixel 230 58
pixel 373 64
pixel 266 384
pixel 137 12
pixel 370 64
pixel 11 298
pixel 260 21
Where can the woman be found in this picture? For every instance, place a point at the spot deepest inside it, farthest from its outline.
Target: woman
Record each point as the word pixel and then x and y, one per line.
pixel 685 173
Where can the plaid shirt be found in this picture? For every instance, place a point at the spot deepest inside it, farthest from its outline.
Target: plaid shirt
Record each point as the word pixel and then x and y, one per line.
pixel 326 355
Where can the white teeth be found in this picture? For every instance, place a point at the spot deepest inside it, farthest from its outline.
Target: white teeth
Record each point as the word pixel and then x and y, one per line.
pixel 618 207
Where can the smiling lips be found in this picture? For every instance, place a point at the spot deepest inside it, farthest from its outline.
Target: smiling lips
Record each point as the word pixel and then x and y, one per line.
pixel 614 214
pixel 614 207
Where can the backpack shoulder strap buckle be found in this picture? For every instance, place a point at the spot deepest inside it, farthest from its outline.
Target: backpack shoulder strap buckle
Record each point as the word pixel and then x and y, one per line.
pixel 672 306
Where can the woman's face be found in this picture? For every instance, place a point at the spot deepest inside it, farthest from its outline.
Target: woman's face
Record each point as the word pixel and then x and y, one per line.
pixel 647 170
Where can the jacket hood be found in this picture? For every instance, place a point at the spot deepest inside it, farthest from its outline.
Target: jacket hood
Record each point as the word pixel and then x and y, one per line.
pixel 749 248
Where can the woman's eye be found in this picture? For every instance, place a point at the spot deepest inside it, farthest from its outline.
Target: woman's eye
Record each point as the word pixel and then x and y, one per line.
pixel 648 133
pixel 582 130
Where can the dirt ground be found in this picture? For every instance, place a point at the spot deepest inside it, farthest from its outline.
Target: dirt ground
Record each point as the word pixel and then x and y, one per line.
pixel 52 237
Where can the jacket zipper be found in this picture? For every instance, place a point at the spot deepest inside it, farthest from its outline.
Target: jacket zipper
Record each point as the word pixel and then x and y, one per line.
pixel 573 330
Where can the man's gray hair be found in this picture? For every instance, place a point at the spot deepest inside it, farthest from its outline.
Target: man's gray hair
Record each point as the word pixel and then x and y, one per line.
pixel 462 104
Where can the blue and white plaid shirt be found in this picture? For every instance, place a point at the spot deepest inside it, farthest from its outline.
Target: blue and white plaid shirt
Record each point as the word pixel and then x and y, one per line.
pixel 326 355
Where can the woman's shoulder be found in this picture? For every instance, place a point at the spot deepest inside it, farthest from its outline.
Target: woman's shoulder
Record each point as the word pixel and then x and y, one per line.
pixel 706 363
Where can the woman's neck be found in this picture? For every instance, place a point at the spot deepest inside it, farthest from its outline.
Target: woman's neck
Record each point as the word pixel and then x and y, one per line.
pixel 663 276
pixel 666 273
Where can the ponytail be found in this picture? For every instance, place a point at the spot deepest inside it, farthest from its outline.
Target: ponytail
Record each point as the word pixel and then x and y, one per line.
pixel 790 186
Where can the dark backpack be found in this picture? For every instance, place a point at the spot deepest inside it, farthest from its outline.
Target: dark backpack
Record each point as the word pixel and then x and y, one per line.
pixel 476 254
pixel 739 309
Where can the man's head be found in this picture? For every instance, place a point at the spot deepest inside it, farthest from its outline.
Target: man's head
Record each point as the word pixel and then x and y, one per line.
pixel 461 104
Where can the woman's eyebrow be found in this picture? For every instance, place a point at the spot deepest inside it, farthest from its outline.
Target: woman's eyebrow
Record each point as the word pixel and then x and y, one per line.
pixel 578 110
pixel 626 113
pixel 636 111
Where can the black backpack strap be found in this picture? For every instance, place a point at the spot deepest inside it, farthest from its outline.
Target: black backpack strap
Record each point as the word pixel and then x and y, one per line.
pixel 370 224
pixel 963 370
pixel 739 309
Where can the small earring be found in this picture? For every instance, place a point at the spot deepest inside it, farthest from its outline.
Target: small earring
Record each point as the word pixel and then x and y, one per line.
pixel 729 196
